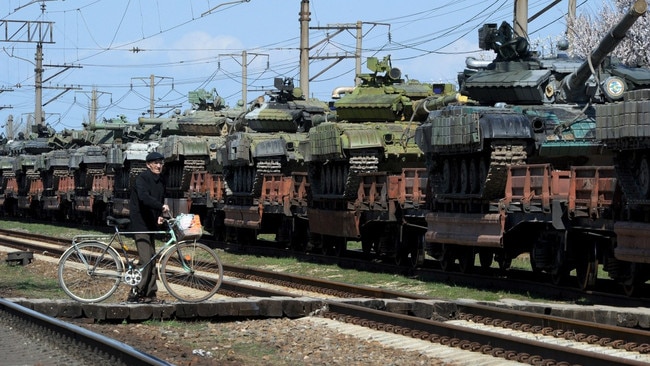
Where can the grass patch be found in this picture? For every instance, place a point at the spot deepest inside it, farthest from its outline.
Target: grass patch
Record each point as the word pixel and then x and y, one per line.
pixel 26 281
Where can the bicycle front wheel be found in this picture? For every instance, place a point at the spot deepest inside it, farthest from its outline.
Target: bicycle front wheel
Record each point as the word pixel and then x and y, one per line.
pixel 191 271
pixel 90 271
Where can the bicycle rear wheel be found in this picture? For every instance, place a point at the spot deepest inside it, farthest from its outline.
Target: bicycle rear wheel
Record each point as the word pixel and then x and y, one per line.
pixel 191 271
pixel 90 271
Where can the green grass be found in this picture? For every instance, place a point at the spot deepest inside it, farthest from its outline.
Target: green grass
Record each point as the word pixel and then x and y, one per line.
pixel 21 281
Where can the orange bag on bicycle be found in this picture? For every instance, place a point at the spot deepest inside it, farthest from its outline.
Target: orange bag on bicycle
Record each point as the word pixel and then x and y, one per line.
pixel 188 227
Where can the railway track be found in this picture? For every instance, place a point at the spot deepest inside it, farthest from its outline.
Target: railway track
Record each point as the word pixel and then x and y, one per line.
pixel 529 338
pixel 29 337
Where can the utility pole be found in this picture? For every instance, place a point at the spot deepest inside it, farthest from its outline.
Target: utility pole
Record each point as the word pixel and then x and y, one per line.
pixel 152 90
pixel 94 104
pixel 337 29
pixel 36 32
pixel 244 69
pixel 521 15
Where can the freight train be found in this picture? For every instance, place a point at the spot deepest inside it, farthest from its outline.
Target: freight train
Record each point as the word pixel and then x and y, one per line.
pixel 545 157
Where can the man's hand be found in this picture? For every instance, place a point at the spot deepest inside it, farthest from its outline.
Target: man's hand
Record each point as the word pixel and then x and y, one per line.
pixel 165 209
pixel 160 220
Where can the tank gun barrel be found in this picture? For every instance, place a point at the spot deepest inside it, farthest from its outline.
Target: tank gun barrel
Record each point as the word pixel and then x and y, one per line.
pixel 607 44
pixel 423 107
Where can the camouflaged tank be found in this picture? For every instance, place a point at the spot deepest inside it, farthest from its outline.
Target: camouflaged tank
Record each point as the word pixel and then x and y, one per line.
pixel 521 109
pixel 538 112
pixel 267 150
pixel 365 169
pixel 373 132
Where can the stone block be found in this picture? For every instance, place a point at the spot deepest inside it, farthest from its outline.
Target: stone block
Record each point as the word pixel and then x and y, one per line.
pixel 208 309
pixel 270 307
pixel 186 310
pixel 163 311
pixel 94 311
pixel 445 310
pixel 226 308
pixel 398 306
pixel 423 308
pixel 247 307
pixel 140 312
pixel 70 309
pixel 294 308
pixel 117 312
pixel 46 307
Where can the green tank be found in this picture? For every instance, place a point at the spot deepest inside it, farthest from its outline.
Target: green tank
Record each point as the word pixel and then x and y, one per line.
pixel 522 109
pixel 264 161
pixel 357 161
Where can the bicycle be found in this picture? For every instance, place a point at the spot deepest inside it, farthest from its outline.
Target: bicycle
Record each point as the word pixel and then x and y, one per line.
pixel 91 270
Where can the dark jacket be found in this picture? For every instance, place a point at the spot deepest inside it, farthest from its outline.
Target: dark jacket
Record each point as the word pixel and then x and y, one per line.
pixel 146 202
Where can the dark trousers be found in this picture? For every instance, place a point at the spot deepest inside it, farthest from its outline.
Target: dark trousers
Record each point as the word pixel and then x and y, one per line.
pixel 146 250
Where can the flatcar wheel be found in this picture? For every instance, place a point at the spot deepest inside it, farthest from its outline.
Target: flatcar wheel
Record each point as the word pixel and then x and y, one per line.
pixel 586 273
pixel 485 257
pixel 408 256
pixel 446 258
pixel 466 261
pixel 367 245
pixel 632 285
pixel 340 246
pixel 559 276
pixel 643 177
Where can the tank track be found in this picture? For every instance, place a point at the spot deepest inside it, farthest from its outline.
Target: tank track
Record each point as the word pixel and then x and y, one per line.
pixel 358 165
pixel 264 167
pixel 502 156
pixel 190 166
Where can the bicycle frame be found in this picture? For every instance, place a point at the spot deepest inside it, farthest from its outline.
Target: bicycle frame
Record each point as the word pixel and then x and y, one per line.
pixel 118 238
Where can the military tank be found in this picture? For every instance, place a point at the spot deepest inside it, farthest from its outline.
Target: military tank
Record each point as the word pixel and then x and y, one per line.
pixel 521 109
pixel 368 152
pixel 264 166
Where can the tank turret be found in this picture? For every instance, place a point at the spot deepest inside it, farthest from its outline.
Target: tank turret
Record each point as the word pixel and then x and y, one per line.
pixel 209 115
pixel 522 109
pixel 518 76
pixel 613 86
pixel 287 110
pixel 383 95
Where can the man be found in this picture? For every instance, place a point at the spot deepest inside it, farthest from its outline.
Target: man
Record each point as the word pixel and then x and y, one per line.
pixel 146 207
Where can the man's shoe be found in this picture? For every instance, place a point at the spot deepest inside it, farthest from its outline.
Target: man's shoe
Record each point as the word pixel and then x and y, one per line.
pixel 151 300
pixel 133 298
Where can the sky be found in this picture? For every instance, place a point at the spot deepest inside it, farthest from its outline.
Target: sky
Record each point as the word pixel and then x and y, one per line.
pixel 115 46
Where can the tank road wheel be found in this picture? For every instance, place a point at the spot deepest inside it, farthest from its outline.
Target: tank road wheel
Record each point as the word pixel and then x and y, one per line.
pixel 445 182
pixel 482 174
pixel 455 176
pixel 466 260
pixel 474 182
pixel 463 177
pixel 340 180
pixel 643 177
